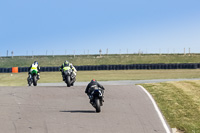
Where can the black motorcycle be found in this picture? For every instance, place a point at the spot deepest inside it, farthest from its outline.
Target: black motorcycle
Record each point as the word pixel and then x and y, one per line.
pixel 32 78
pixel 96 99
pixel 69 77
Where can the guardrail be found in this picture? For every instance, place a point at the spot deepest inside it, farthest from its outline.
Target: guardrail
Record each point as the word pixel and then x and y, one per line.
pixel 113 67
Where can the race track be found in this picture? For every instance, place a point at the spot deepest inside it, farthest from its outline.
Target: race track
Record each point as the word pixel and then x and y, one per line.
pixel 59 109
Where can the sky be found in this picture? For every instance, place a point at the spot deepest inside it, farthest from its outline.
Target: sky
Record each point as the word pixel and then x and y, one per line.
pixel 59 27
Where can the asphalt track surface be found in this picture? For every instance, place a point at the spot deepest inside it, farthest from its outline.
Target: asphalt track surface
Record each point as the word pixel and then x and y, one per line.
pixel 61 109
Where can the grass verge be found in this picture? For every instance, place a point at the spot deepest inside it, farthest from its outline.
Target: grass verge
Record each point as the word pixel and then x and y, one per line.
pixel 179 103
pixel 20 79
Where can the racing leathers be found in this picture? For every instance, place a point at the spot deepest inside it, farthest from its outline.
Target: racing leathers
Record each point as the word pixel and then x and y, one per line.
pixel 91 86
pixel 64 67
pixel 36 67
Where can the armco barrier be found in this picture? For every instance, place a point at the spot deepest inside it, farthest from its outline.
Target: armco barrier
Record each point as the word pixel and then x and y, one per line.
pixel 114 67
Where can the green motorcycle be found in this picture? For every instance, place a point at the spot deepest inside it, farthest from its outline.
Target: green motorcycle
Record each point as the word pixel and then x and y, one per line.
pixel 32 78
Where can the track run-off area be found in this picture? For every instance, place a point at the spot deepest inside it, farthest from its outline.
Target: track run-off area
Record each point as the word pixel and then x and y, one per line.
pixel 60 109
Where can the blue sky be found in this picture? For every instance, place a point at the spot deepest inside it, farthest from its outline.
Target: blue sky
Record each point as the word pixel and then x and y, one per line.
pixel 84 26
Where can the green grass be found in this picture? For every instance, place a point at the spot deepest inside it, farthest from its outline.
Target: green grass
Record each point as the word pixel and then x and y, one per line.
pixel 179 103
pixel 19 79
pixel 78 60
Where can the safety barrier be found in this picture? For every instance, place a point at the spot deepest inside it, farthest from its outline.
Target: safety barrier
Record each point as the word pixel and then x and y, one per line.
pixel 5 70
pixel 113 67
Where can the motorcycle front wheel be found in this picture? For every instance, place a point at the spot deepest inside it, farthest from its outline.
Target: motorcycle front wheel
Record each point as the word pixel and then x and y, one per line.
pixel 68 81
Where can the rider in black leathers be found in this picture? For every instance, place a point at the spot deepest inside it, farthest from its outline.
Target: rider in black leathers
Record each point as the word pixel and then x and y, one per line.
pixel 91 86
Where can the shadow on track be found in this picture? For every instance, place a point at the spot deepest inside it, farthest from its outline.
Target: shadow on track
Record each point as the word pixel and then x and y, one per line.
pixel 78 111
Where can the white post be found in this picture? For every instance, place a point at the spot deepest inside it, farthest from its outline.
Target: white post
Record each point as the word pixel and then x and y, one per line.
pixel 100 52
pixel 189 51
pixel 12 53
pixel 184 51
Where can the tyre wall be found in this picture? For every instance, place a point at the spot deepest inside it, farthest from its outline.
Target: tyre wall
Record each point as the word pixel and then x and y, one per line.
pixel 113 67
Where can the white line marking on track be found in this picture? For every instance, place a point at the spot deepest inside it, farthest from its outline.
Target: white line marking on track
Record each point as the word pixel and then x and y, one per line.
pixel 157 110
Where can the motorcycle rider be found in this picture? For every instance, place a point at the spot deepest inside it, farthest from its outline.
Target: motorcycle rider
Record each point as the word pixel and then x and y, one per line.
pixel 67 64
pixel 34 66
pixel 91 86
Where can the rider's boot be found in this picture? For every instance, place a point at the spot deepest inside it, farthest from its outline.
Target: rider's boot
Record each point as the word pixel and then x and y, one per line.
pixel 90 97
pixel 38 76
pixel 63 77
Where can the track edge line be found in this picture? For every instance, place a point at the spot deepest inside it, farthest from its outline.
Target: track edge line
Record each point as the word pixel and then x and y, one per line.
pixel 157 110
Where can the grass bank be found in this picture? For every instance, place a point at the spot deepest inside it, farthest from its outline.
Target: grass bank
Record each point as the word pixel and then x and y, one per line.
pixel 19 79
pixel 179 103
pixel 78 60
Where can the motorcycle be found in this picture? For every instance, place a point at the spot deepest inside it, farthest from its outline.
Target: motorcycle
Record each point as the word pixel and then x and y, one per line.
pixel 69 76
pixel 32 78
pixel 96 99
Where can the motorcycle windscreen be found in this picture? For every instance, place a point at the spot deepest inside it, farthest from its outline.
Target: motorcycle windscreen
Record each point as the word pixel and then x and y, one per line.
pixel 68 72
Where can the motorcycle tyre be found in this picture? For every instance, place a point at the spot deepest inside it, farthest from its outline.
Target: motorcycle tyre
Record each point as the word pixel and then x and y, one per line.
pixel 35 80
pixel 97 105
pixel 67 80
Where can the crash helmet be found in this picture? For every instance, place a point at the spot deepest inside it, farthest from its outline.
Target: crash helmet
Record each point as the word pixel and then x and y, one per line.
pixel 35 63
pixel 66 63
pixel 93 80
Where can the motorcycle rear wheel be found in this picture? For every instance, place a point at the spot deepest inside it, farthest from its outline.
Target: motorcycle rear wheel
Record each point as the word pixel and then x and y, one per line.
pixel 35 80
pixel 97 103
